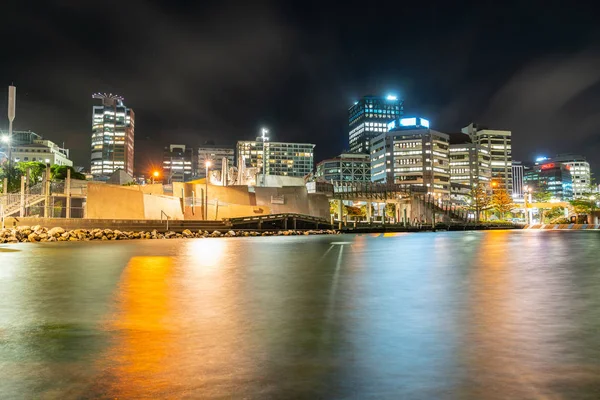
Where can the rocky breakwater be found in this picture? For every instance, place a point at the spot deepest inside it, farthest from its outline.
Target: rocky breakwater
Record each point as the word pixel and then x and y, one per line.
pixel 33 234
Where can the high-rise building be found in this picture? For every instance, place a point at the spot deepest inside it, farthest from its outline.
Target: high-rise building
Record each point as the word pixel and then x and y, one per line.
pixel 369 117
pixel 347 167
pixel 499 144
pixel 113 126
pixel 215 155
pixel 177 163
pixel 282 158
pixel 580 172
pixel 518 173
pixel 412 155
pixel 469 162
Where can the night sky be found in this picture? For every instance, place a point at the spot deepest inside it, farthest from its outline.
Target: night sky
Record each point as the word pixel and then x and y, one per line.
pixel 196 70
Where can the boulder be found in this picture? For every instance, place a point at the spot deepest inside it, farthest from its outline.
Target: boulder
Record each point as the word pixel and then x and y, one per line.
pixel 57 231
pixel 33 237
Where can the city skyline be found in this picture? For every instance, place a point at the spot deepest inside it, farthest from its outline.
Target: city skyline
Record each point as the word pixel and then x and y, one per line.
pixel 553 80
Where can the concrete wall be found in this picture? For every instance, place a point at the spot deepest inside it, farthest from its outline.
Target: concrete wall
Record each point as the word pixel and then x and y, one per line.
pixel 114 202
pixel 129 202
pixel 155 205
pixel 156 188
pixel 318 205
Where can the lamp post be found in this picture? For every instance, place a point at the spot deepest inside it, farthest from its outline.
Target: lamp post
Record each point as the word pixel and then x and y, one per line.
pixel 207 164
pixel 264 137
pixel 154 175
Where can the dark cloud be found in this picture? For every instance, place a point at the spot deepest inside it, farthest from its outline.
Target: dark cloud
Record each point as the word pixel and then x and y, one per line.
pixel 195 71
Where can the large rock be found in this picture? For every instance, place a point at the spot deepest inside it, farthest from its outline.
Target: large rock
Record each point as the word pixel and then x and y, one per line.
pixel 55 232
pixel 33 237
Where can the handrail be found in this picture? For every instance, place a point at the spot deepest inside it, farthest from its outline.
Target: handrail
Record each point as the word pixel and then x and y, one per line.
pixel 161 217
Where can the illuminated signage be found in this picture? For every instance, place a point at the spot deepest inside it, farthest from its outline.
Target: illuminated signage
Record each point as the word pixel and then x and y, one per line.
pixel 424 123
pixel 539 159
pixel 391 97
pixel 408 121
pixel 391 125
pixel 548 166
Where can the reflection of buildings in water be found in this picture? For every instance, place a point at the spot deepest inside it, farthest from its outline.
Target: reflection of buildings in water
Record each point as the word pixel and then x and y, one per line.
pixel 514 329
pixel 177 327
pixel 142 351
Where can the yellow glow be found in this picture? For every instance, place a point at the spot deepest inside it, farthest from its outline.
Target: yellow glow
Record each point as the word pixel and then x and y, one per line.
pixel 208 164
pixel 155 174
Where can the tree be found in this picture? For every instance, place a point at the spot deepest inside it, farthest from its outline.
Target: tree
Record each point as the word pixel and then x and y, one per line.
pixel 555 213
pixel 59 172
pixel 390 210
pixel 502 202
pixel 480 200
pixel 542 197
pixel 35 169
pixel 12 174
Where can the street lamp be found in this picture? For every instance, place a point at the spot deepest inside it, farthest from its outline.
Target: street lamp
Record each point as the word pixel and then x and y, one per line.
pixel 5 138
pixel 207 164
pixel 155 174
pixel 264 137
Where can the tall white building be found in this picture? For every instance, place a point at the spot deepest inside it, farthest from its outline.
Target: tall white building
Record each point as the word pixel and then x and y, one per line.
pixel 518 171
pixel 280 158
pixel 412 155
pixel 113 126
pixel 500 146
pixel 580 172
pixel 215 155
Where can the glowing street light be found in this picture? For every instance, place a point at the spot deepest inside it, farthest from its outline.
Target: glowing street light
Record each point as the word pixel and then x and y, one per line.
pixel 5 138
pixel 155 174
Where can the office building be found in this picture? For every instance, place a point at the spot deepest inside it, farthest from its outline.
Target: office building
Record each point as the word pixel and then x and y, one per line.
pixel 281 158
pixel 469 162
pixel 113 126
pixel 369 117
pixel 552 177
pixel 43 151
pixel 215 155
pixel 412 155
pixel 518 171
pixel 581 175
pixel 29 146
pixel 347 167
pixel 499 144
pixel 177 163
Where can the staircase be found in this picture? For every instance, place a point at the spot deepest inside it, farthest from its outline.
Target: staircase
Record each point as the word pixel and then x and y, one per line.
pixel 453 214
pixel 11 203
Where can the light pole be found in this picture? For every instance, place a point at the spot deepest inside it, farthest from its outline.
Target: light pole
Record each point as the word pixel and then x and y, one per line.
pixel 154 175
pixel 264 137
pixel 207 164
pixel 12 98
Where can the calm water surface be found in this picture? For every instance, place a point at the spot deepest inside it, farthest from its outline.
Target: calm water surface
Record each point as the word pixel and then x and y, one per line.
pixel 457 315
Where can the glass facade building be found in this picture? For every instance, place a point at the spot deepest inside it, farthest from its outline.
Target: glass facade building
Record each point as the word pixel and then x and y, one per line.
pixel 412 155
pixel 347 167
pixel 580 172
pixel 113 126
pixel 281 158
pixel 552 177
pixel 369 117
